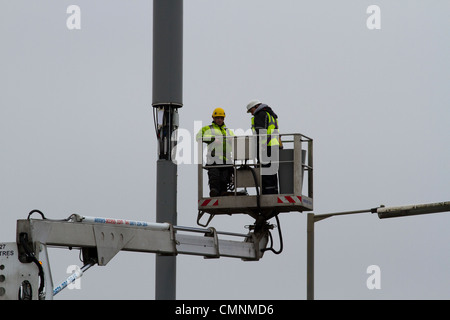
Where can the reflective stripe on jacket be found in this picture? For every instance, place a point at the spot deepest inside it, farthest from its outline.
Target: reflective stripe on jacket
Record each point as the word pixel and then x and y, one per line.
pixel 213 135
pixel 272 127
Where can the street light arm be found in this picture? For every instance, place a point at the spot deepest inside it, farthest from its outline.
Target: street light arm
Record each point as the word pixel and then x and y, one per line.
pixel 411 210
pixel 382 211
pixel 319 217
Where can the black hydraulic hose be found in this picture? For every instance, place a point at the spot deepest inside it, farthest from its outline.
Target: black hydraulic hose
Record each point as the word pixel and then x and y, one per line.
pixel 271 240
pixel 36 211
pixel 23 238
pixel 45 218
pixel 276 217
pixel 258 200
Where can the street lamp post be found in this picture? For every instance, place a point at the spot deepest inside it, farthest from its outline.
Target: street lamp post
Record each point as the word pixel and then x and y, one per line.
pixel 383 213
pixel 167 98
pixel 313 218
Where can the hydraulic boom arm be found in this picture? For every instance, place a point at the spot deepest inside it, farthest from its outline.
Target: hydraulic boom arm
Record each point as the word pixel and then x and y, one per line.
pixel 100 239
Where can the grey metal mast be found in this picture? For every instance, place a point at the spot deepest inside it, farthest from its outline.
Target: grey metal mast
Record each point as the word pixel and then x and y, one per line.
pixel 167 98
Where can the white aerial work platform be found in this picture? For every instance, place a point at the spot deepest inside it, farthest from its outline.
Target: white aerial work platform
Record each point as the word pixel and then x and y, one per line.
pixel 295 174
pixel 24 265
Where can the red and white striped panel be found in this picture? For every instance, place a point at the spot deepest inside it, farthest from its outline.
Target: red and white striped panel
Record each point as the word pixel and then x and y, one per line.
pixel 208 202
pixel 289 199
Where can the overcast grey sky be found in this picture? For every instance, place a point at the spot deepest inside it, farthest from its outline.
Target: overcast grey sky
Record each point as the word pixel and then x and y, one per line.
pixel 76 135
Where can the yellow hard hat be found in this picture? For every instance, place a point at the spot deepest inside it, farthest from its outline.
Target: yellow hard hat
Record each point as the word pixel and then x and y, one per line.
pixel 218 112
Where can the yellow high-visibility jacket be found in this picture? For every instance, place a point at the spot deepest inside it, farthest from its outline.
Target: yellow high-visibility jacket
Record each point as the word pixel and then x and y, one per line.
pixel 220 143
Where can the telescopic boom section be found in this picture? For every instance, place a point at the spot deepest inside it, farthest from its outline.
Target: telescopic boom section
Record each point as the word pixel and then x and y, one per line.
pixel 108 236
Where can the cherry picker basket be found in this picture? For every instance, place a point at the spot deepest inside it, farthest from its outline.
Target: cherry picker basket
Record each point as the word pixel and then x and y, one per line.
pixel 293 164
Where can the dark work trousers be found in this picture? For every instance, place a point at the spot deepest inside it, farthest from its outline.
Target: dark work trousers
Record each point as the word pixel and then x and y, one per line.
pixel 269 182
pixel 219 177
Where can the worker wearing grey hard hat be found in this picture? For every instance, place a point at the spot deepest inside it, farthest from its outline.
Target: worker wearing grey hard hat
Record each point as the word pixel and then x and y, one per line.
pixel 265 122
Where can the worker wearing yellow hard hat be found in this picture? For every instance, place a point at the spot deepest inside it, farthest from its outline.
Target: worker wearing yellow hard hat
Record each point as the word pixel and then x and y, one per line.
pixel 219 140
pixel 218 112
